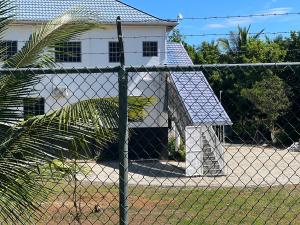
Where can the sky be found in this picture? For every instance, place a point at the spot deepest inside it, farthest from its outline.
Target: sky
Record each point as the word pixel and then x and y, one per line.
pixel 170 9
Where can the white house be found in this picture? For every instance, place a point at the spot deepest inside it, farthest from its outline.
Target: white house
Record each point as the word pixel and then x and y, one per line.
pixel 185 98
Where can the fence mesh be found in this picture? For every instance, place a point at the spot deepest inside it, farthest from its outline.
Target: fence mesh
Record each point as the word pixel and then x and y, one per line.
pixel 211 144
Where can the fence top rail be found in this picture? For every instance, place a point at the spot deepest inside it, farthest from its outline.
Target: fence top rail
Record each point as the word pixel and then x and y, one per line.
pixel 163 68
pixel 60 70
pixel 186 68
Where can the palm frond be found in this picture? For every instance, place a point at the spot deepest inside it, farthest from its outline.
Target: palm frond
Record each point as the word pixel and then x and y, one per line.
pixel 14 87
pixel 6 15
pixel 92 122
pixel 43 138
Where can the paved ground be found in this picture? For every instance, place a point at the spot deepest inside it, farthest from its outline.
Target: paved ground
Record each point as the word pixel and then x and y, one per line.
pixel 247 166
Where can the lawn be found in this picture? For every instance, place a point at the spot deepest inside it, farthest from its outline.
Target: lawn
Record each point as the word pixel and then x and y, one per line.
pixel 156 205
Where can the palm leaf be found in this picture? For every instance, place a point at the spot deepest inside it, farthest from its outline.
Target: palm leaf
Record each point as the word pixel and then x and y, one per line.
pixel 6 15
pixel 14 87
pixel 43 138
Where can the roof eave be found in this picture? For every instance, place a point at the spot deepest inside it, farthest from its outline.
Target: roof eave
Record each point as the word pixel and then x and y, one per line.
pixel 213 123
pixel 169 24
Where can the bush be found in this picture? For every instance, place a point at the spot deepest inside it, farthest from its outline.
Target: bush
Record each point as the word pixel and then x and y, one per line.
pixel 173 154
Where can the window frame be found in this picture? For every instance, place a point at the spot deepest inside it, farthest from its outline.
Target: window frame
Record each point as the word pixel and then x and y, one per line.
pixel 61 56
pixel 8 53
pixel 114 56
pixel 150 52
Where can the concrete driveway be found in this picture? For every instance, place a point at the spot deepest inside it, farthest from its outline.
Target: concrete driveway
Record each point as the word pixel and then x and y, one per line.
pixel 246 166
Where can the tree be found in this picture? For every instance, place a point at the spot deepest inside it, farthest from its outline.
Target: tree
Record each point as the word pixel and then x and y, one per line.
pixel 270 97
pixel 237 42
pixel 176 36
pixel 209 53
pixel 291 76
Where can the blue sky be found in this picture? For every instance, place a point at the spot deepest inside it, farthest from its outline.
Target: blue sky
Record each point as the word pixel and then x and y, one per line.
pixel 169 9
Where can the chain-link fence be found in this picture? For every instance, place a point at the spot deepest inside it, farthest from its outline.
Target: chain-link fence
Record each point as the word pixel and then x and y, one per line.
pixel 211 144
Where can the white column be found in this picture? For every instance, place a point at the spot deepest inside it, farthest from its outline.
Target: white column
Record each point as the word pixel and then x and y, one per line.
pixel 194 151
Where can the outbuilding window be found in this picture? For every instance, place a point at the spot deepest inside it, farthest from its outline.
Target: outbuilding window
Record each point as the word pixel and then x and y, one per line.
pixel 68 52
pixel 150 48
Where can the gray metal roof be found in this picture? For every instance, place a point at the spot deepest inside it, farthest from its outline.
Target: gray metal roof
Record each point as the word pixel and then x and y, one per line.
pixel 198 97
pixel 106 10
pixel 177 55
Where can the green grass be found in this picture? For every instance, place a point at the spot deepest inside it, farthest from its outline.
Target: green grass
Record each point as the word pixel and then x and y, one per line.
pixel 156 205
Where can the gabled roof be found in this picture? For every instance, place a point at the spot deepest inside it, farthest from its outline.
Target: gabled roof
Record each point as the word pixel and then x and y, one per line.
pixel 106 10
pixel 197 96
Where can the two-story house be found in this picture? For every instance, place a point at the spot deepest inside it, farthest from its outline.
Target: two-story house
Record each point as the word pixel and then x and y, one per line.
pixel 185 98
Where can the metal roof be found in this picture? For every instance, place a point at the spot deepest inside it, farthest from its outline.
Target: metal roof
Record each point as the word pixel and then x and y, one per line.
pixel 105 10
pixel 198 97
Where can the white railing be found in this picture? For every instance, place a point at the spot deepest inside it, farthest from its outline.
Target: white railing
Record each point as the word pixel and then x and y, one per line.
pixel 220 132
pixel 216 146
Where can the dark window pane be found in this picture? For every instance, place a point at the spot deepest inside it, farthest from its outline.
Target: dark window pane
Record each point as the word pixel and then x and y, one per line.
pixel 68 52
pixel 8 49
pixel 150 48
pixel 33 107
pixel 114 52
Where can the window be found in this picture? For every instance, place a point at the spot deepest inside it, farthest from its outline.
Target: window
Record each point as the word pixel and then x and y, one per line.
pixel 150 48
pixel 33 107
pixel 68 52
pixel 10 48
pixel 114 52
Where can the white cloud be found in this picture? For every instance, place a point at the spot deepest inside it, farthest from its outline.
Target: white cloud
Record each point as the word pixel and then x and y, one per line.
pixel 281 10
pixel 244 21
pixel 228 23
pixel 216 25
pixel 239 21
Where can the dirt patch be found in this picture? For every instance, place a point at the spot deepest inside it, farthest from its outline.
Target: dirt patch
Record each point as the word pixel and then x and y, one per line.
pixel 100 208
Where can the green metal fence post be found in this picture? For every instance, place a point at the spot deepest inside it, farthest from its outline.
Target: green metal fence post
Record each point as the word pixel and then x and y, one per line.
pixel 123 131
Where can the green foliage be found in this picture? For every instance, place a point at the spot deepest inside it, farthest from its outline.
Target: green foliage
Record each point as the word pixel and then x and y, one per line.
pixel 173 154
pixel 176 36
pixel 259 51
pixel 243 47
pixel 66 168
pixel 270 97
pixel 209 53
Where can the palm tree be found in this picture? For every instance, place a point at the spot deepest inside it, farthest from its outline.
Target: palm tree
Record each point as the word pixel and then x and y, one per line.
pixel 237 41
pixel 25 145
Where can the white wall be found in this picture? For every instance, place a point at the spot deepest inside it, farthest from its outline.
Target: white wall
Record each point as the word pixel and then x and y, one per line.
pixel 95 54
pixel 95 44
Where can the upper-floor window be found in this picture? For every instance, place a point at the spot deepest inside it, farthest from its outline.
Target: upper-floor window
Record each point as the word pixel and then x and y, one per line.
pixel 8 49
pixel 68 52
pixel 150 48
pixel 114 52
